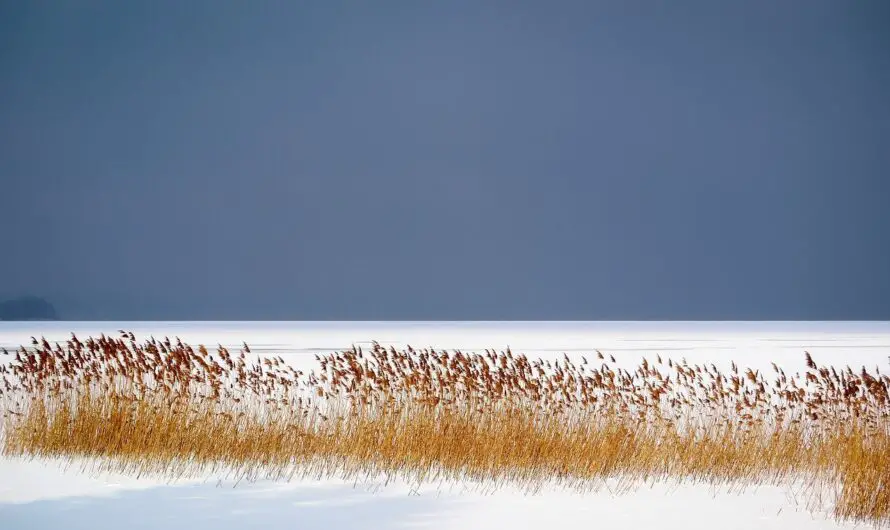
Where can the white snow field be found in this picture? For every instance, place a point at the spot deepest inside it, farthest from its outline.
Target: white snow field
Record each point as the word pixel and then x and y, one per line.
pixel 49 494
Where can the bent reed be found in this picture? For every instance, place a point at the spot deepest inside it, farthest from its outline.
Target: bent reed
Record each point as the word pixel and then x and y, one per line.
pixel 164 407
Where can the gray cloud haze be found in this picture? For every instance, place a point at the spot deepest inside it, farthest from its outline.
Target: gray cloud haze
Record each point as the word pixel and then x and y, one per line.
pixel 451 160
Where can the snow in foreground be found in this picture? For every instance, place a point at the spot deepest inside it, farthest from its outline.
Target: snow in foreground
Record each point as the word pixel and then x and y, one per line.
pixel 45 495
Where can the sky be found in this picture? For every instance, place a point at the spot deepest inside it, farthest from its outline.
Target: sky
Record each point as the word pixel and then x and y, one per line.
pixel 461 160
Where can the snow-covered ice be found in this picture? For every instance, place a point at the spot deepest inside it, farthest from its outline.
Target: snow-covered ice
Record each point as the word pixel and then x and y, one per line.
pixel 36 494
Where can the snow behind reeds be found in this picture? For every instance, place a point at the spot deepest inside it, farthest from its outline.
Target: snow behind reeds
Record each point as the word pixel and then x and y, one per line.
pixel 47 495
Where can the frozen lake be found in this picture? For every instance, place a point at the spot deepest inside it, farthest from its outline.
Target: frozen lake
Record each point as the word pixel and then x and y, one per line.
pixel 44 495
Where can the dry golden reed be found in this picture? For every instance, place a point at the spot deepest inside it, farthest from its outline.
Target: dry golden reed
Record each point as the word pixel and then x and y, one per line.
pixel 168 408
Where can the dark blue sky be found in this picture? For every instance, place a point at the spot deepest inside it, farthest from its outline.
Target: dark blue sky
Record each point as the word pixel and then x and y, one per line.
pixel 450 160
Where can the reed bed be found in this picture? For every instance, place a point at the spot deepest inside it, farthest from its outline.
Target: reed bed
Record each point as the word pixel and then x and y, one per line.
pixel 164 407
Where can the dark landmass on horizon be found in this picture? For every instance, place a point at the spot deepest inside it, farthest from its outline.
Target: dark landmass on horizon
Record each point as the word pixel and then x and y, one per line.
pixel 27 308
